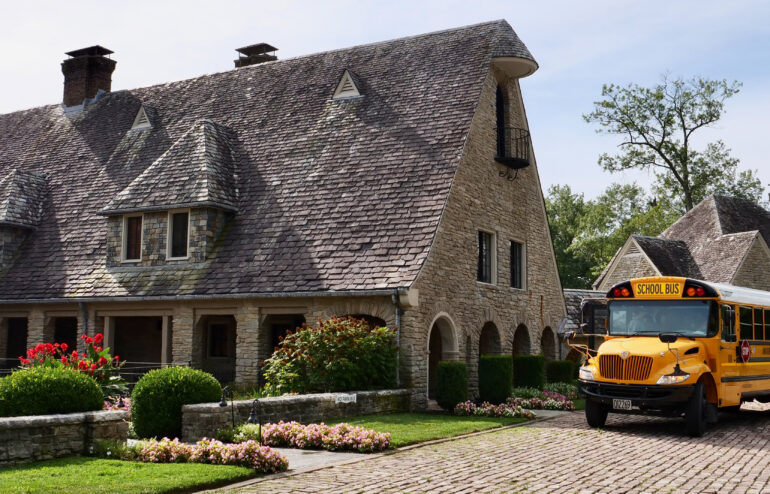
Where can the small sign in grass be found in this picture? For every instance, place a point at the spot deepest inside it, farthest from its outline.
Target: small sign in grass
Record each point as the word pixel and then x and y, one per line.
pixel 410 428
pixel 93 475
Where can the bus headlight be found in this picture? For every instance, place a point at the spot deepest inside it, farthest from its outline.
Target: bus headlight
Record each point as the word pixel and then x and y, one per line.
pixel 586 374
pixel 673 378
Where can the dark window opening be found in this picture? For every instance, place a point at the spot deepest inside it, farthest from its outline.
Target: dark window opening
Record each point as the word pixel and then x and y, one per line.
pixel 728 323
pixel 501 120
pixel 133 238
pixel 517 265
pixel 17 341
pixel 221 340
pixel 747 323
pixel 372 321
pixel 279 325
pixel 179 234
pixel 485 246
pixel 66 331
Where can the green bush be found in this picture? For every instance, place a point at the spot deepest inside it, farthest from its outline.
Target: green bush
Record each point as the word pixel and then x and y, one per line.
pixel 45 390
pixel 157 399
pixel 495 377
pixel 529 371
pixel 526 393
pixel 559 371
pixel 451 384
pixel 338 354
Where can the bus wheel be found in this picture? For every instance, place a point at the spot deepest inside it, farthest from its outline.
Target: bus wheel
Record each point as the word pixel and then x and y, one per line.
pixel 596 413
pixel 696 412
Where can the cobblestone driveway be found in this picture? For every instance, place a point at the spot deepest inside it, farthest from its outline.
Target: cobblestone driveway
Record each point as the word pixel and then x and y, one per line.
pixel 632 454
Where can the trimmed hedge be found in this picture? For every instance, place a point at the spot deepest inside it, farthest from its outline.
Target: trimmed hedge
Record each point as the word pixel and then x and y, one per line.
pixel 559 371
pixel 451 384
pixel 157 399
pixel 46 390
pixel 529 371
pixel 495 378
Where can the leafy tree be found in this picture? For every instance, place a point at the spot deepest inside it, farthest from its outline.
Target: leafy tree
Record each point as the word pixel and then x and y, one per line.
pixel 657 125
pixel 565 213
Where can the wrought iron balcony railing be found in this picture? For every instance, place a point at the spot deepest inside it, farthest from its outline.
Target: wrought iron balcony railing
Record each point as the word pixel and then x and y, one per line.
pixel 513 147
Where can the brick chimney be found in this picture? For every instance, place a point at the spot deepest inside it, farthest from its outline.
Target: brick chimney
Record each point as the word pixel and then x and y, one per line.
pixel 88 71
pixel 255 54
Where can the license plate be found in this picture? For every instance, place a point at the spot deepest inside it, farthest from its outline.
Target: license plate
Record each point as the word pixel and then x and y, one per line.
pixel 621 404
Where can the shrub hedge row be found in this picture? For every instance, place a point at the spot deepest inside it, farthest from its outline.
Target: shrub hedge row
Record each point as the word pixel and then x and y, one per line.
pixel 47 390
pixel 495 378
pixel 451 384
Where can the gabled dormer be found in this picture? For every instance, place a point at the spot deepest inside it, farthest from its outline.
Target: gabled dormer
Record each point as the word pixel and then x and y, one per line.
pixel 21 208
pixel 174 211
pixel 348 87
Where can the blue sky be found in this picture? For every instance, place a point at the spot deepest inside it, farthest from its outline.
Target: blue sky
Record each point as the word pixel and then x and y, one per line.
pixel 579 46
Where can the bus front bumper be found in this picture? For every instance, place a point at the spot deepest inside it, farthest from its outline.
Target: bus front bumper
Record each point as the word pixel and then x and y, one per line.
pixel 665 398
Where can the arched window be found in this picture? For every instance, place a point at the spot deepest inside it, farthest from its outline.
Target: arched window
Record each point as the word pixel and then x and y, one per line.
pixel 502 123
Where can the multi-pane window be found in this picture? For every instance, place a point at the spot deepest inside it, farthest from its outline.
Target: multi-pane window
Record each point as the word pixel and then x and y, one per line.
pixel 759 333
pixel 178 234
pixel 132 238
pixel 728 323
pixel 486 246
pixel 517 265
pixel 746 322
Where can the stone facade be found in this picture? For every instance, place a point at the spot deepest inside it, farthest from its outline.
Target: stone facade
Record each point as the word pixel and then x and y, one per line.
pixel 754 271
pixel 631 263
pixel 205 419
pixel 43 437
pixel 205 227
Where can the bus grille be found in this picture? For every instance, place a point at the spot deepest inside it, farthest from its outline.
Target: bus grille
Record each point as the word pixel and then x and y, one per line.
pixel 634 368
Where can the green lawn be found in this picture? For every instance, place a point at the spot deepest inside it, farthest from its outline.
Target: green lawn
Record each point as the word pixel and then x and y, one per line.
pixel 410 428
pixel 93 475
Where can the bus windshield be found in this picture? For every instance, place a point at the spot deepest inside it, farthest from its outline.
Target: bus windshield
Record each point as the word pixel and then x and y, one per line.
pixel 651 317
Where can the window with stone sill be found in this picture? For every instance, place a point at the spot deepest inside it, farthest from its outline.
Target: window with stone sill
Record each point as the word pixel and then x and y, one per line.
pixel 132 238
pixel 178 234
pixel 518 265
pixel 485 272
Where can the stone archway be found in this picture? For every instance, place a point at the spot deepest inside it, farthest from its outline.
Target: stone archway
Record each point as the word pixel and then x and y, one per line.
pixel 521 342
pixel 548 344
pixel 489 340
pixel 442 345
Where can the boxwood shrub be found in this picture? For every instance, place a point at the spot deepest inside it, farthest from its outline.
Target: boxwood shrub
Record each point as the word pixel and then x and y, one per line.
pixel 495 377
pixel 559 371
pixel 45 390
pixel 157 399
pixel 451 384
pixel 529 371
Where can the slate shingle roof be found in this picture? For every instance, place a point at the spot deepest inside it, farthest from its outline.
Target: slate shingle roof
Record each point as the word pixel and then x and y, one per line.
pixel 197 170
pixel 573 298
pixel 671 257
pixel 21 198
pixel 332 195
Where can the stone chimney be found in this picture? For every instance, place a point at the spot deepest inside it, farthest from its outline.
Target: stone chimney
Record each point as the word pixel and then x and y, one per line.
pixel 255 54
pixel 86 73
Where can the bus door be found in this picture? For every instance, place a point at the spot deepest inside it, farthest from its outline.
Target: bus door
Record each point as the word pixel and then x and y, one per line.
pixel 730 366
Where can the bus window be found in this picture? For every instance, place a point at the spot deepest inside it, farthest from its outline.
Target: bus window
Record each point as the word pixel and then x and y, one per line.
pixel 728 323
pixel 758 331
pixel 747 323
pixel 767 324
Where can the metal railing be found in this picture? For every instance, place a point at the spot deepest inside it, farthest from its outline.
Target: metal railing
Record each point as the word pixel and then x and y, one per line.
pixel 513 147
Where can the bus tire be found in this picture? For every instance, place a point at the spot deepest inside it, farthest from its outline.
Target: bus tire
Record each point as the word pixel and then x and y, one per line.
pixel 695 415
pixel 596 413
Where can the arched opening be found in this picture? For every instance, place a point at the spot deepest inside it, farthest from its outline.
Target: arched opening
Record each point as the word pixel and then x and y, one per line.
pixel 502 120
pixel 548 344
pixel 372 321
pixel 489 340
pixel 441 346
pixel 521 343
pixel 575 356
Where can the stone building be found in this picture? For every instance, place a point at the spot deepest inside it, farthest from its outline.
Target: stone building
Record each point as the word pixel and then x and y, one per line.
pixel 722 239
pixel 195 221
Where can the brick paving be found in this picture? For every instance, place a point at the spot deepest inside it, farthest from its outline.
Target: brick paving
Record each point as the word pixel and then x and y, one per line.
pixel 631 454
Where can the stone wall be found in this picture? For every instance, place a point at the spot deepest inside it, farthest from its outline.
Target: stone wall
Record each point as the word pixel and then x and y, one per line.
pixel 203 420
pixel 755 269
pixel 483 198
pixel 43 437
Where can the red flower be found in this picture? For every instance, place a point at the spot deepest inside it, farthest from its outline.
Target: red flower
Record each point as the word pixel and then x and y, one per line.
pixel 82 336
pixel 64 360
pixel 93 367
pixel 89 340
pixel 116 357
pixel 74 354
pixel 64 347
pixel 102 361
pixel 98 338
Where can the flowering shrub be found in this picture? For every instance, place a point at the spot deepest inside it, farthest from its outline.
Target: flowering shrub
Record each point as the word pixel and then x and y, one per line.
pixel 338 354
pixel 340 437
pixel 558 402
pixel 556 396
pixel 568 390
pixel 489 410
pixel 96 362
pixel 249 454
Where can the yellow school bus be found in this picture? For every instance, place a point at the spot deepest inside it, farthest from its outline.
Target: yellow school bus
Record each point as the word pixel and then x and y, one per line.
pixel 677 346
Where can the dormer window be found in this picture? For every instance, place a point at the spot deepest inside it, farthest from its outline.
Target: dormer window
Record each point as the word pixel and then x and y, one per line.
pixel 132 238
pixel 141 121
pixel 512 142
pixel 178 234
pixel 347 87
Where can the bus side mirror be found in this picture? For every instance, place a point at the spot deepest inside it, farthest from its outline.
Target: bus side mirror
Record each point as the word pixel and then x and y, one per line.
pixel 668 337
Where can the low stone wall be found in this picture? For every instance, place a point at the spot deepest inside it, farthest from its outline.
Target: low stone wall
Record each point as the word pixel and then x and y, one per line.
pixel 42 437
pixel 203 420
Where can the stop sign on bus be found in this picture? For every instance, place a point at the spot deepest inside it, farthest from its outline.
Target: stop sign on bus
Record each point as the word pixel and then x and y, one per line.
pixel 745 351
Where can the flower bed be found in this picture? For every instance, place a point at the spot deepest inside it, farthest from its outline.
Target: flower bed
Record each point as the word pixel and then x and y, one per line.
pixel 339 437
pixel 249 454
pixel 489 410
pixel 534 399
